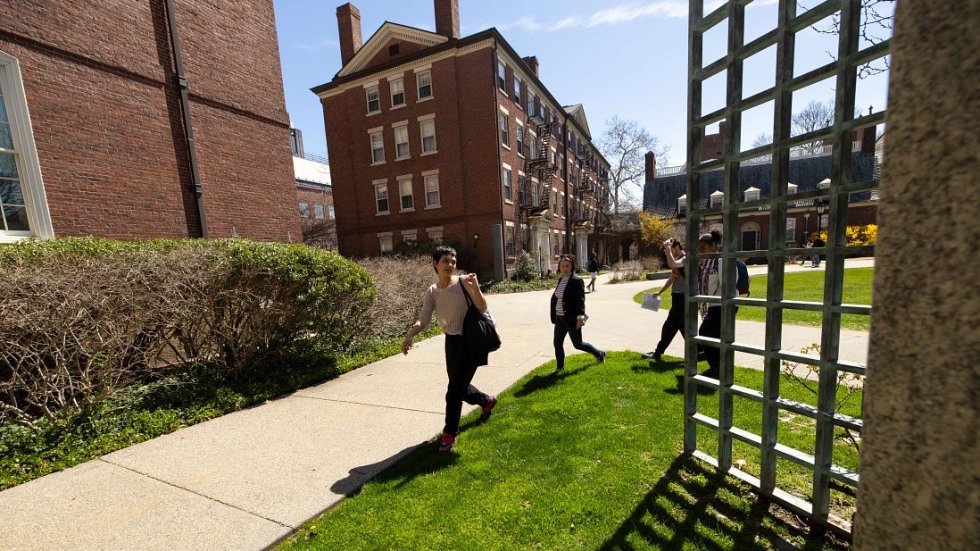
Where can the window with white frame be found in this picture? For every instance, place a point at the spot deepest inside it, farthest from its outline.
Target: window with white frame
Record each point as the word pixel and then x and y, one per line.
pixel 384 242
pixel 405 192
pixel 431 183
pixel 410 237
pixel 554 203
pixel 424 81
pixel 402 150
pixel 508 192
pixel 522 191
pixel 23 203
pixel 377 147
pixel 331 214
pixel 427 128
pixel 530 102
pixel 717 198
pixel 318 211
pixel 502 76
pixel 434 234
pixel 373 99
pixel 381 198
pixel 682 203
pixel 509 240
pixel 519 135
pixel 397 92
pixel 304 209
pixel 505 129
pixel 791 230
pixel 517 90
pixel 752 194
pixel 532 146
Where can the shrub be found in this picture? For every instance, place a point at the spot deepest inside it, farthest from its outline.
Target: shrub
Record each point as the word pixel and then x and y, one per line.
pixel 83 318
pixel 400 282
pixel 629 270
pixel 524 268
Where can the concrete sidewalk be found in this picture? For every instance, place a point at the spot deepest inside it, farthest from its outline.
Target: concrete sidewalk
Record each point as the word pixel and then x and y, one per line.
pixel 251 478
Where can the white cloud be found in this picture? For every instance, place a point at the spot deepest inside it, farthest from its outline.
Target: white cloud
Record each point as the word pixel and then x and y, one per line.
pixel 321 45
pixel 525 23
pixel 570 21
pixel 631 12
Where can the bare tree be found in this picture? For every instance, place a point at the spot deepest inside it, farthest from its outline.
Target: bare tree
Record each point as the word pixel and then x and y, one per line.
pixel 877 23
pixel 625 144
pixel 319 232
pixel 814 116
pixel 764 138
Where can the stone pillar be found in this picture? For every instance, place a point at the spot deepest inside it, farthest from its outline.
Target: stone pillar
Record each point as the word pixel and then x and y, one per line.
pixel 920 472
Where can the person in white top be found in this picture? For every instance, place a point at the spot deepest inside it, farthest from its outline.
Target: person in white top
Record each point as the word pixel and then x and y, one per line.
pixel 445 299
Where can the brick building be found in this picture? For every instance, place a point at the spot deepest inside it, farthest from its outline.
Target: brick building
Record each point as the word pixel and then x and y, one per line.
pixel 93 138
pixel 665 190
pixel 455 139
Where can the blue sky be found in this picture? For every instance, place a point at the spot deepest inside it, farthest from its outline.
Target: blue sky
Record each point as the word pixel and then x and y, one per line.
pixel 615 57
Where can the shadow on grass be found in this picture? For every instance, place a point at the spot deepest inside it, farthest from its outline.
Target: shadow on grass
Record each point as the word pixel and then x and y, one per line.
pixel 543 381
pixel 679 387
pixel 425 459
pixel 662 365
pixel 693 506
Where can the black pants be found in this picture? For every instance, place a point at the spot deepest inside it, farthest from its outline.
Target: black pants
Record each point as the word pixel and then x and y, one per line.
pixel 674 322
pixel 461 371
pixel 711 327
pixel 562 329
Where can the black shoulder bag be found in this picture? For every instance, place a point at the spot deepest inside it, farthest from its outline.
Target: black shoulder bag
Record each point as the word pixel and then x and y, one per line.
pixel 479 332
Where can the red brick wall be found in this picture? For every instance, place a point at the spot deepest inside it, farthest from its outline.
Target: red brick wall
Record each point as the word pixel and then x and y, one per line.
pixel 108 126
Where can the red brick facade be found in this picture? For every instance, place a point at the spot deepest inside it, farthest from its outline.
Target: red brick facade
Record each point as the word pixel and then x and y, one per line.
pixel 469 158
pixel 99 80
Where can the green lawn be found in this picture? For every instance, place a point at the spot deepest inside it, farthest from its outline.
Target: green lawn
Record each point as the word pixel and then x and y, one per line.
pixel 589 459
pixel 801 286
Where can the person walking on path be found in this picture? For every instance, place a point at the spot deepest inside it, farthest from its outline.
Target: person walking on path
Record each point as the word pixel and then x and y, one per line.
pixel 593 271
pixel 568 313
pixel 817 242
pixel 709 283
pixel 445 298
pixel 676 260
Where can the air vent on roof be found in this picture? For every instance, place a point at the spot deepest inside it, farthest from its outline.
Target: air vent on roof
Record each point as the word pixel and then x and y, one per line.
pixel 393 50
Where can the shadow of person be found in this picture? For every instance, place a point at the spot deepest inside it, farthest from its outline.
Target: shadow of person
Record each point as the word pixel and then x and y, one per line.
pixel 679 388
pixel 662 365
pixel 403 466
pixel 540 382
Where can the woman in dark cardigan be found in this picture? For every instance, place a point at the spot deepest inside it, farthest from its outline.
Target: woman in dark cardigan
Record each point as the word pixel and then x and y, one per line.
pixel 568 313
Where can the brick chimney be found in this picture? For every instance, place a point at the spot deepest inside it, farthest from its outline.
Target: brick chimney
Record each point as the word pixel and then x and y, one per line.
pixel 349 25
pixel 651 165
pixel 447 18
pixel 868 137
pixel 532 64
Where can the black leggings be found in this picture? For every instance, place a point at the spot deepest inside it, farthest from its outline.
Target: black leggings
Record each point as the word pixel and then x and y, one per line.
pixel 674 322
pixel 461 371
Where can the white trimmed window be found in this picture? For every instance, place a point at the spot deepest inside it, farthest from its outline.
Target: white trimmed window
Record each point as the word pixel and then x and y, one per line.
pixel 519 135
pixel 505 130
pixel 23 205
pixel 791 230
pixel 381 198
pixel 517 90
pixel 434 234
pixel 384 242
pixel 508 186
pixel 509 239
pixel 530 102
pixel 410 236
pixel 428 130
pixel 405 192
pixel 397 92
pixel 332 214
pixel 682 203
pixel 717 198
pixel 402 150
pixel 377 147
pixel 373 99
pixel 502 76
pixel 304 209
pixel 424 81
pixel 432 197
pixel 318 211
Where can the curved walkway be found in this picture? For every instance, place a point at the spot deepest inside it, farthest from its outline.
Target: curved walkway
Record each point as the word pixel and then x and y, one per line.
pixel 248 479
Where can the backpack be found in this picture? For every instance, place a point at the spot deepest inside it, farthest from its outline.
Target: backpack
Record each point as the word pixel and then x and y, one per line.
pixel 742 283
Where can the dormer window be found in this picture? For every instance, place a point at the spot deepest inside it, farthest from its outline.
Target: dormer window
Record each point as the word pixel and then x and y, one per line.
pixel 752 194
pixel 717 198
pixel 682 204
pixel 792 188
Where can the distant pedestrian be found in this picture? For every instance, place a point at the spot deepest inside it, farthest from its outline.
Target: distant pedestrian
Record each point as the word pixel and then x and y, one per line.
pixel 445 298
pixel 809 244
pixel 677 283
pixel 568 313
pixel 709 283
pixel 818 242
pixel 593 271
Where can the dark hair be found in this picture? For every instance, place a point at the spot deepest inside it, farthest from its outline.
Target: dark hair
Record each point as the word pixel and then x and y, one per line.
pixel 715 236
pixel 568 257
pixel 674 241
pixel 441 251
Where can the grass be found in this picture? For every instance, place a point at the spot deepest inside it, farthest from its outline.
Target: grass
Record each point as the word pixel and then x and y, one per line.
pixel 180 400
pixel 801 286
pixel 589 459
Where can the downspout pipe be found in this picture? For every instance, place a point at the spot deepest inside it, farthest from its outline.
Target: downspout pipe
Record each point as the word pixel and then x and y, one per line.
pixel 185 108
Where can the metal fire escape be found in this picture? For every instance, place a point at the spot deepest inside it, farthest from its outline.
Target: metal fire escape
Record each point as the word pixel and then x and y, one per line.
pixel 534 192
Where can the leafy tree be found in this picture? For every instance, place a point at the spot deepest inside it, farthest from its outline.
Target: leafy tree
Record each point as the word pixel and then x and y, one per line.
pixel 525 269
pixel 625 144
pixel 654 229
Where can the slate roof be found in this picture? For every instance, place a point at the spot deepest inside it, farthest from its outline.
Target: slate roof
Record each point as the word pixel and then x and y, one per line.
pixel 660 195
